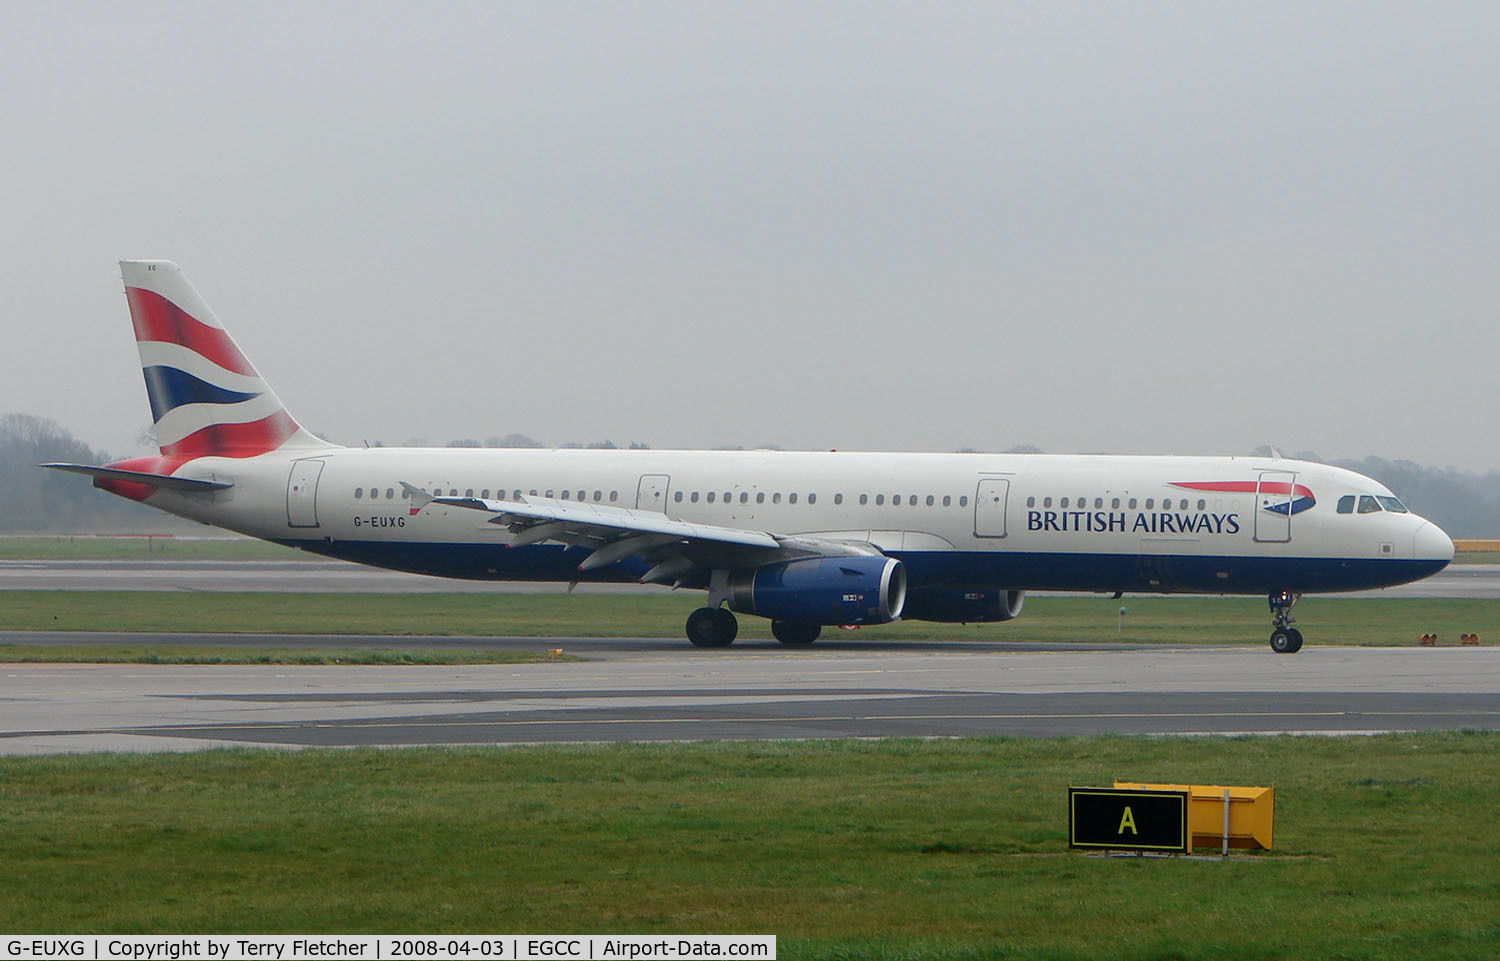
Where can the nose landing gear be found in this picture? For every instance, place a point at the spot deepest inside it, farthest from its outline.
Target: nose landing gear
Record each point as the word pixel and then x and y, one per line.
pixel 1285 639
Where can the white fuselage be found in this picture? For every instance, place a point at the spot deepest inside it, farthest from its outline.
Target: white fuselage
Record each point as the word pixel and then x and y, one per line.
pixel 1024 522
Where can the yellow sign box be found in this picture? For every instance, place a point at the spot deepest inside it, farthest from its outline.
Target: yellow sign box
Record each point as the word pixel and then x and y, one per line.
pixel 1244 820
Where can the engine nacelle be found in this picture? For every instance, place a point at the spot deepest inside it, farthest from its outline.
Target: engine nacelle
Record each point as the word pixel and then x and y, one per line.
pixel 822 590
pixel 951 605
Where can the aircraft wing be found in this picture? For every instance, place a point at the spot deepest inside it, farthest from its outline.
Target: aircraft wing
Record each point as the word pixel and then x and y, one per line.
pixel 676 549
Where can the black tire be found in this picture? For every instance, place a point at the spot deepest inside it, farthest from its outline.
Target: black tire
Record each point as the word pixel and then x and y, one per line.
pixel 1285 640
pixel 797 633
pixel 712 627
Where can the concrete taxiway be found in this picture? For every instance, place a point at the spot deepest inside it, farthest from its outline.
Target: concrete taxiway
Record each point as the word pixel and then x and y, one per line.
pixel 656 690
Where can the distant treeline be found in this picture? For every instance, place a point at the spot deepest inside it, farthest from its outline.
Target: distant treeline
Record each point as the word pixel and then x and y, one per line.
pixel 40 501
pixel 51 502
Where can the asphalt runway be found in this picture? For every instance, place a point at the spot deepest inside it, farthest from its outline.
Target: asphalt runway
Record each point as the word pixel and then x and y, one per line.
pixel 655 689
pixel 323 576
pixel 659 691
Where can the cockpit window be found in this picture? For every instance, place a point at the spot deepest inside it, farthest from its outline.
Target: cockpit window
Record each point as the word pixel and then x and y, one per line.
pixel 1392 504
pixel 1346 504
pixel 1368 504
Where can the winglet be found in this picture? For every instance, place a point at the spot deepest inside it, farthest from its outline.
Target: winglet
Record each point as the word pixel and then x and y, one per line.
pixel 419 497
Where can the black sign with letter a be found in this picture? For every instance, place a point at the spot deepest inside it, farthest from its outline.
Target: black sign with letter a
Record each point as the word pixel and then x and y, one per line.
pixel 1129 820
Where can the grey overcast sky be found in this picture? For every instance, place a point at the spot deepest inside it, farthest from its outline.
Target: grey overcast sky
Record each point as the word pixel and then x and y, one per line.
pixel 1123 227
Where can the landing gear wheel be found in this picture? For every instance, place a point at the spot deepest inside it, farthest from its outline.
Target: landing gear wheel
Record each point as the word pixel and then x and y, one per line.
pixel 1286 640
pixel 800 633
pixel 712 627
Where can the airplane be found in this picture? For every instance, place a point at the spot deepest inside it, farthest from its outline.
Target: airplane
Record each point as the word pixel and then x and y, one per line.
pixel 806 539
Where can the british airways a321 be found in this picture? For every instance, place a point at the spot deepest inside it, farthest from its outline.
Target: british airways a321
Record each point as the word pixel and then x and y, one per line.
pixel 806 539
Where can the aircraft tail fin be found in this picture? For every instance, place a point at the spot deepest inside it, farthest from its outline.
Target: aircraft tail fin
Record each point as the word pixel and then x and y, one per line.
pixel 206 397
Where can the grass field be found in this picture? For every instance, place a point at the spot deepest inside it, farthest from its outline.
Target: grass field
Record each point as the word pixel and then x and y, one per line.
pixel 1385 846
pixel 1197 620
pixel 211 654
pixel 90 547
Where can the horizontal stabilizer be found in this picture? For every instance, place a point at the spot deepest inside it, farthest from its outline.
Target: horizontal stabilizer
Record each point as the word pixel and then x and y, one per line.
pixel 164 481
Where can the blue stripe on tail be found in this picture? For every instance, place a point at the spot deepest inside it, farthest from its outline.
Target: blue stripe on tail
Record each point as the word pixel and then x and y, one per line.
pixel 170 388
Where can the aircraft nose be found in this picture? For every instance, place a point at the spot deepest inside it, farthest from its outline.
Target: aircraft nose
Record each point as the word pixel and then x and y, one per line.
pixel 1433 544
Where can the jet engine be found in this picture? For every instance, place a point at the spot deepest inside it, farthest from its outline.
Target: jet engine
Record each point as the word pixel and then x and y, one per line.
pixel 822 590
pixel 956 604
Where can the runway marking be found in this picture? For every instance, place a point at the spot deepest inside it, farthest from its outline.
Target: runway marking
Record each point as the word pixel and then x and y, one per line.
pixel 542 722
pixel 538 722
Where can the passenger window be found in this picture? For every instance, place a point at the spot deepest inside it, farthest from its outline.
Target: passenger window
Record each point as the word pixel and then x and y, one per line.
pixel 895 500
pixel 359 492
pixel 694 498
pixel 564 495
pixel 776 498
pixel 812 498
pixel 879 500
pixel 710 497
pixel 1114 505
pixel 677 497
pixel 1030 502
pixel 598 496
pixel 469 492
pixel 930 500
pixel 963 501
pixel 1346 504
pixel 1368 504
pixel 1098 503
pixel 582 495
pixel 1150 503
pixel 614 496
pixel 948 501
pixel 405 494
pixel 452 492
pixel 1063 503
pixel 911 500
pixel 864 499
pixel 1202 503
pixel 744 497
pixel 791 498
pixel 727 496
pixel 1132 503
pixel 760 497
pixel 1046 502
pixel 838 498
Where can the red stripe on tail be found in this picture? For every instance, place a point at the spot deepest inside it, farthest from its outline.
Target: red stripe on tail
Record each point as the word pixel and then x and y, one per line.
pixel 157 318
pixel 235 440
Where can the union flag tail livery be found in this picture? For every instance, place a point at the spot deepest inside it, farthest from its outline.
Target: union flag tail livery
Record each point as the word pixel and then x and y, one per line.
pixel 207 400
pixel 206 397
pixel 805 539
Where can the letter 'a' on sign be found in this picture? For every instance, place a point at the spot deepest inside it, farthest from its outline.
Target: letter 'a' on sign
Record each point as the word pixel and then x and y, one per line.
pixel 1105 818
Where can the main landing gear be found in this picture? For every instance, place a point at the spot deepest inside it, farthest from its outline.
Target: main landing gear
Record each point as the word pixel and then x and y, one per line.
pixel 717 627
pixel 712 627
pixel 798 633
pixel 1285 639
